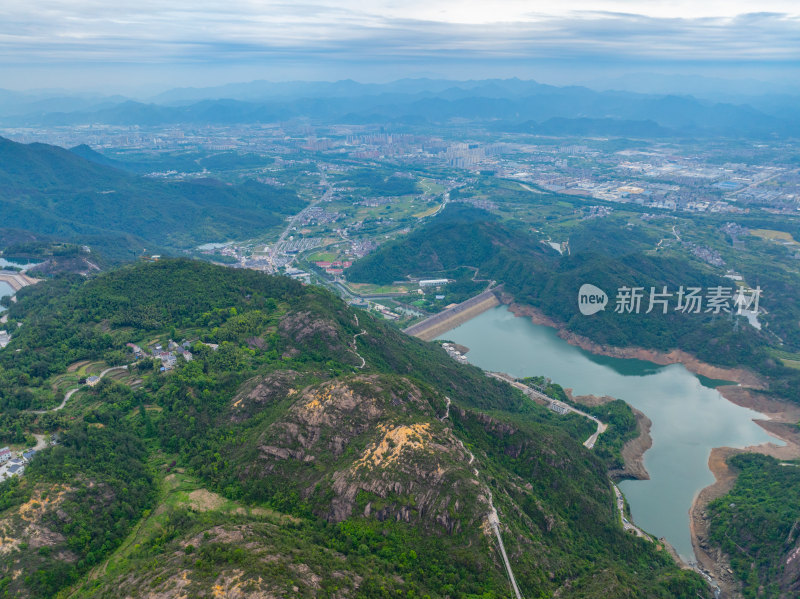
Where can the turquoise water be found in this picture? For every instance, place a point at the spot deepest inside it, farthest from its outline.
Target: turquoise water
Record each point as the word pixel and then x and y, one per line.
pixel 689 416
pixel 4 263
pixel 5 289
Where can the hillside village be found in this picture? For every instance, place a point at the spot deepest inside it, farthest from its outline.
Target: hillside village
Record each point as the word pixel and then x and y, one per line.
pixel 12 463
pixel 168 356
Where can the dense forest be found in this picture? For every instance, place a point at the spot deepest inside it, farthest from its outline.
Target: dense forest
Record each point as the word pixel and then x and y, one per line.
pixel 273 462
pixel 51 191
pixel 537 276
pixel 757 525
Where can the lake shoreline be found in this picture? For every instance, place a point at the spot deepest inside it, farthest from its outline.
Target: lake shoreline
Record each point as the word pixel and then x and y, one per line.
pixel 633 451
pixel 779 421
pixel 711 558
pixel 739 375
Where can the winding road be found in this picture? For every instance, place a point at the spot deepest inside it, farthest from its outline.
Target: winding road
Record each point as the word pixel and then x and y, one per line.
pixel 71 392
pixel 355 346
pixel 273 251
pixel 626 524
pixel 534 394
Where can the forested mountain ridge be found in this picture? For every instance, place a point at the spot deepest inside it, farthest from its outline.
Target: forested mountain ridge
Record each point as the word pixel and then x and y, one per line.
pixel 609 258
pixel 48 190
pixel 272 463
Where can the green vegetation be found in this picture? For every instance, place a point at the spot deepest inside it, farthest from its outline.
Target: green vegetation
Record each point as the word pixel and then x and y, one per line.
pixel 380 182
pixel 50 191
pixel 85 493
pixel 539 277
pixel 617 414
pixel 274 465
pixel 756 525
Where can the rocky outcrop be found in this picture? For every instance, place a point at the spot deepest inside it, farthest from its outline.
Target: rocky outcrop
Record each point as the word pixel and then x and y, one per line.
pixel 259 393
pixel 376 445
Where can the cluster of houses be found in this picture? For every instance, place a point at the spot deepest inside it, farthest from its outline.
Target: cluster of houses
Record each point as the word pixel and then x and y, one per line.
pixel 454 353
pixel 334 268
pixel 384 311
pixel 12 463
pixel 168 356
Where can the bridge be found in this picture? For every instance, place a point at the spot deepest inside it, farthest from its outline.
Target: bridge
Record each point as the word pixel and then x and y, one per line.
pixel 16 280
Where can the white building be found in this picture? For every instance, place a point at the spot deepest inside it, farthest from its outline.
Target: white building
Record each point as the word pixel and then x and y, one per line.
pixel 433 282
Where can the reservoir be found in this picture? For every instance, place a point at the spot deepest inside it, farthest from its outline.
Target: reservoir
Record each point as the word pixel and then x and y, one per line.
pixel 5 289
pixel 689 416
pixel 4 263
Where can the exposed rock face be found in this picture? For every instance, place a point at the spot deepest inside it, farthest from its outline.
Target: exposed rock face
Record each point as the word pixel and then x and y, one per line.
pixel 377 445
pixel 173 578
pixel 633 451
pixel 790 581
pixel 254 397
pixel 303 326
pixel 31 524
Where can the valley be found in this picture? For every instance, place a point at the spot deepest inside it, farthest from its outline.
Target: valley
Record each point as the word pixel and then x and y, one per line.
pixel 235 306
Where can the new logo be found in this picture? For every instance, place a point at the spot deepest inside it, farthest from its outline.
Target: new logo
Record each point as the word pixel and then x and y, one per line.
pixel 591 299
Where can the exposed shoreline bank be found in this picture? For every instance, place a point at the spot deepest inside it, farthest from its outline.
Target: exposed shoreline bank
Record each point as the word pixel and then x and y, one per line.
pixel 739 375
pixel 779 420
pixel 633 451
pixel 782 427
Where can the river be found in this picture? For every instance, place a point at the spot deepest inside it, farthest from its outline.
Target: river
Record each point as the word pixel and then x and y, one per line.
pixel 689 416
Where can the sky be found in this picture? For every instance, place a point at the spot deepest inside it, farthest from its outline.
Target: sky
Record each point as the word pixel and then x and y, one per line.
pixel 151 45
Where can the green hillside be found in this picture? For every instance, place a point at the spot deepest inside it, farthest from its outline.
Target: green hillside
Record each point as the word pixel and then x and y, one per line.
pixel 756 526
pixel 273 464
pixel 48 190
pixel 534 275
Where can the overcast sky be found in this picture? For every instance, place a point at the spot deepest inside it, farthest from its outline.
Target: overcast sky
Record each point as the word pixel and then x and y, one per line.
pixel 119 45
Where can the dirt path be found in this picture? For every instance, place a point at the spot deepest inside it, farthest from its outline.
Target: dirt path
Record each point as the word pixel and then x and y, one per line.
pixel 492 517
pixel 71 392
pixel 446 411
pixel 354 345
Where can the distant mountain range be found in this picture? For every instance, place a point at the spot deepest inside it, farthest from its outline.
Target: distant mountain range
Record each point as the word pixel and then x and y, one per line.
pixel 506 104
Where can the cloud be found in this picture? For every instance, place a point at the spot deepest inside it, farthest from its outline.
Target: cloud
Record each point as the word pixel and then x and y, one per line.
pixel 148 32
